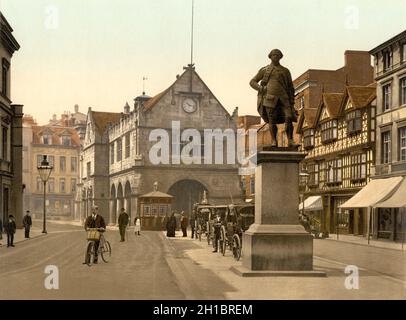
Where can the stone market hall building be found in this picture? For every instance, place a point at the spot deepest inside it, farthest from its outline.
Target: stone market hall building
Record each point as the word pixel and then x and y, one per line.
pixel 117 168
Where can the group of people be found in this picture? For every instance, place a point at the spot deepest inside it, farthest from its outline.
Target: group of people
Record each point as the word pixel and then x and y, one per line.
pixel 176 220
pixel 10 228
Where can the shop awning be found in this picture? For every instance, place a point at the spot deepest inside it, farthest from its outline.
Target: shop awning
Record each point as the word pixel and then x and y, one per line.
pixel 375 191
pixel 313 203
pixel 397 200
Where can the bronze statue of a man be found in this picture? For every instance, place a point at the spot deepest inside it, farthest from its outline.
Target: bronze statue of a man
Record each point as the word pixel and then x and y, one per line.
pixel 276 97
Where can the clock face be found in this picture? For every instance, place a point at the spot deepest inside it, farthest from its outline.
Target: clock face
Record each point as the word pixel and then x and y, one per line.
pixel 189 105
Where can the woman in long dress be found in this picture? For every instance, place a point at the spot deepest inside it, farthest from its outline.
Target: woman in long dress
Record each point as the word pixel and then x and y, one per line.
pixel 137 226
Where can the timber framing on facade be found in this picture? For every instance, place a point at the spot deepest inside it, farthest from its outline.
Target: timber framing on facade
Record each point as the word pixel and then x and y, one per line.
pixel 339 139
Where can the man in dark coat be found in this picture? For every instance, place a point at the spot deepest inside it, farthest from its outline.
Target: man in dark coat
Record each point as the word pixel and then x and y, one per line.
pixel 123 220
pixel 276 97
pixel 171 226
pixel 193 223
pixel 217 232
pixel 183 224
pixel 95 221
pixel 27 222
pixel 10 227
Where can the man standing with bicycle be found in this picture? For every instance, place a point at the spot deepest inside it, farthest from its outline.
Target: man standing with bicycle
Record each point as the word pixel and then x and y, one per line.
pixel 95 221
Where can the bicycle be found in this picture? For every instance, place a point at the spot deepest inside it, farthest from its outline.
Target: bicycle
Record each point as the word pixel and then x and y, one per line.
pixel 104 250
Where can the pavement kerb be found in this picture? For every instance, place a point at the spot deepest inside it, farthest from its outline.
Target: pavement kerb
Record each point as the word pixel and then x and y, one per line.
pixel 365 244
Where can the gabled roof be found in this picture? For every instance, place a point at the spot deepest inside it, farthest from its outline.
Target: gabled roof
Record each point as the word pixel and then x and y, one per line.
pixel 154 100
pixel 102 119
pixel 361 96
pixel 333 101
pixel 308 115
pixel 148 105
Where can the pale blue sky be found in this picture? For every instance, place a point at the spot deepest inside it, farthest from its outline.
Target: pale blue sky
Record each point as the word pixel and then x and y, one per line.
pixel 98 50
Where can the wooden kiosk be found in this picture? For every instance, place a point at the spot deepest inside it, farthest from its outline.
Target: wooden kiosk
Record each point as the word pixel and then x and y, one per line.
pixel 155 207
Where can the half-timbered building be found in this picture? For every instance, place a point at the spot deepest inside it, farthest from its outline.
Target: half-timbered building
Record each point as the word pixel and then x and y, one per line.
pixel 338 138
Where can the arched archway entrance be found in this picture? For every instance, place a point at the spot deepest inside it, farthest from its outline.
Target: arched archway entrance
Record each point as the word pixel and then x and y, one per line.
pixel 186 193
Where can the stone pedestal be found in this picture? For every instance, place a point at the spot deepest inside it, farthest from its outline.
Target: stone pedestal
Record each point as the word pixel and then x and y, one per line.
pixel 277 244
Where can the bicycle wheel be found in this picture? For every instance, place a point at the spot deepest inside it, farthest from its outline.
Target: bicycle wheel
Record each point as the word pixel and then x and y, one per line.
pixel 106 251
pixel 236 247
pixel 90 253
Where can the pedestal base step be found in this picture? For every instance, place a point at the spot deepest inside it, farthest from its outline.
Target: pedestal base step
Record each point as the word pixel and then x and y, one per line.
pixel 245 272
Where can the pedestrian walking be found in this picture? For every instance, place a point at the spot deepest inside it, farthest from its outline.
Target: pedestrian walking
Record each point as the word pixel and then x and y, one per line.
pixel 10 227
pixel 123 220
pixel 171 226
pixel 183 223
pixel 193 223
pixel 27 222
pixel 137 226
pixel 217 232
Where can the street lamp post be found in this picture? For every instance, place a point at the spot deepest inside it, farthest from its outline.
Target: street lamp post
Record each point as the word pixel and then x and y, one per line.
pixel 44 170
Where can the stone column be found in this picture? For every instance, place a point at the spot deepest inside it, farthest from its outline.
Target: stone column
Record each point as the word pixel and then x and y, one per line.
pixel 111 211
pixel 277 244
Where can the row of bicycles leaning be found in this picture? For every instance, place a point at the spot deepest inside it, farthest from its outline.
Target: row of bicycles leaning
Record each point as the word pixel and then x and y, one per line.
pixel 233 220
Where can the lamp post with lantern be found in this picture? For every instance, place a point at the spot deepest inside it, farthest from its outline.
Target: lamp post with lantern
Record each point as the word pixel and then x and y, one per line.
pixel 44 170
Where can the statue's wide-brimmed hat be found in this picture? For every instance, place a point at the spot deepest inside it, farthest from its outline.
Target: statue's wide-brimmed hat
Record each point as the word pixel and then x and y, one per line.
pixel 275 51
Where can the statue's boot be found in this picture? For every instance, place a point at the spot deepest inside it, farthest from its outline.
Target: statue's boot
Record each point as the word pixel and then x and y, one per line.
pixel 289 133
pixel 273 130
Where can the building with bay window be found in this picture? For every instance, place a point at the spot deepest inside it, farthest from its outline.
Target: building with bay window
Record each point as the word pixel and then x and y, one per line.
pixel 388 219
pixel 339 139
pixel 60 142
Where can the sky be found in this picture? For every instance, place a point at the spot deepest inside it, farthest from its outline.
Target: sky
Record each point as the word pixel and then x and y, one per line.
pixel 95 53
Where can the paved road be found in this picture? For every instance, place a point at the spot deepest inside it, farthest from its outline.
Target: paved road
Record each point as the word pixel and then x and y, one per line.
pixel 145 267
pixel 385 262
pixel 152 267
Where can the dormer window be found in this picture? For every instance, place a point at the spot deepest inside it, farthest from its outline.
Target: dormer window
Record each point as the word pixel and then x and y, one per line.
pixel 308 138
pixel 329 131
pixel 66 140
pixel 47 139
